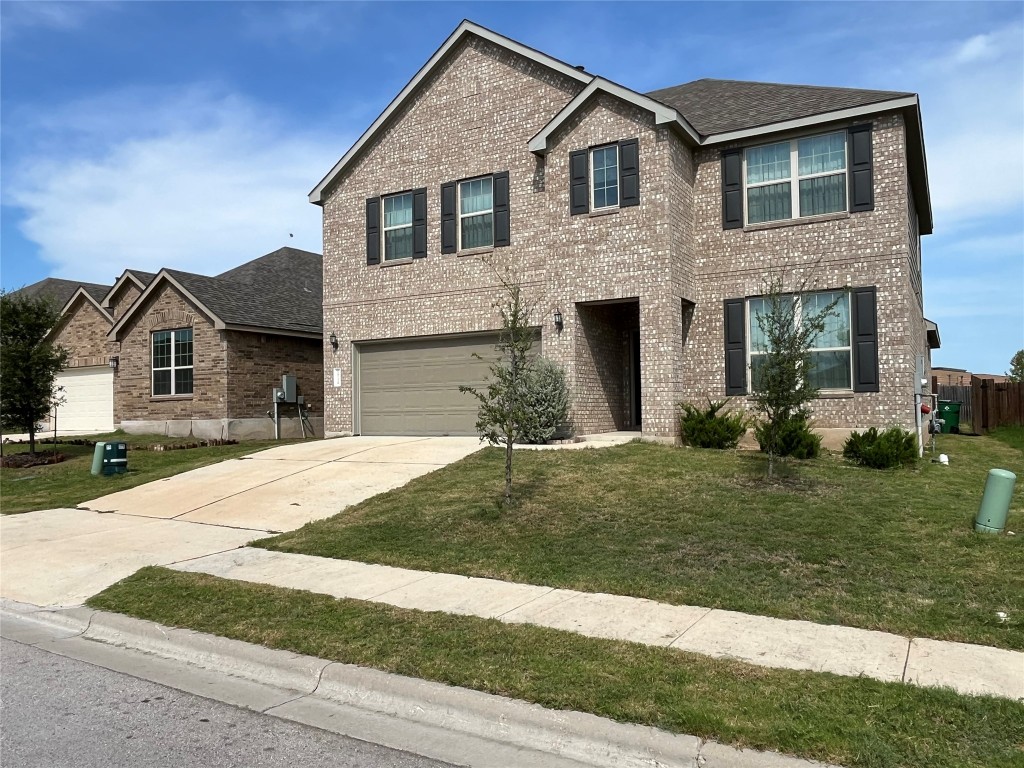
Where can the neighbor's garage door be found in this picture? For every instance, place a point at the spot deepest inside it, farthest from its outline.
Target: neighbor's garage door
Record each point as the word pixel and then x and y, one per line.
pixel 412 387
pixel 89 393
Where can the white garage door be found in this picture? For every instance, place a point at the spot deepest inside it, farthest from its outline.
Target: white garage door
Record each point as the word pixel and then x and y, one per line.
pixel 89 393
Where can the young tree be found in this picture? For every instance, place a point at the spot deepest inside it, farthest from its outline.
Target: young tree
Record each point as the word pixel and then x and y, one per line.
pixel 780 385
pixel 504 406
pixel 1016 372
pixel 28 362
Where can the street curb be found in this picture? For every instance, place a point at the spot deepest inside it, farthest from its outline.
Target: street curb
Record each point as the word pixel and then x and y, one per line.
pixel 410 706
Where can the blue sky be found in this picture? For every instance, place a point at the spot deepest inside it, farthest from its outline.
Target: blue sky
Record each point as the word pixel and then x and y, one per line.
pixel 187 135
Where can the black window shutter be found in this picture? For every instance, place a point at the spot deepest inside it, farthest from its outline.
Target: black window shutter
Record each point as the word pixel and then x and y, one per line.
pixel 373 230
pixel 865 340
pixel 735 347
pixel 629 172
pixel 419 223
pixel 732 189
pixel 502 235
pixel 862 197
pixel 449 242
pixel 579 183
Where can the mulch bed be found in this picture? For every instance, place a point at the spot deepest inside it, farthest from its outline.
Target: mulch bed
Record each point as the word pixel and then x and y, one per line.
pixel 26 460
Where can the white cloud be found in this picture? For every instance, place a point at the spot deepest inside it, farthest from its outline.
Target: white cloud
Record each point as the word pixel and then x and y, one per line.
pixel 976 48
pixel 23 14
pixel 203 182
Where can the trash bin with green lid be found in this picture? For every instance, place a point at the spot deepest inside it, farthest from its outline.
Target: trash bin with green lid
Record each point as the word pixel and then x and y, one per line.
pixel 115 458
pixel 949 412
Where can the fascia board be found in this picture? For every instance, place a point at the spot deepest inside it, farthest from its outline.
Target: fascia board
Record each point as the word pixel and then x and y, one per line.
pixel 163 276
pixel 464 29
pixel 662 113
pixel 811 120
pixel 81 292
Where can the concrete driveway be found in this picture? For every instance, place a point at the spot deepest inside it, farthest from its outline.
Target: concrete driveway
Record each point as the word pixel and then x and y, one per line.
pixel 63 556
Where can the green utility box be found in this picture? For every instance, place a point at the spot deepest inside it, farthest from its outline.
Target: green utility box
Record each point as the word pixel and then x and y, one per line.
pixel 995 504
pixel 114 458
pixel 949 412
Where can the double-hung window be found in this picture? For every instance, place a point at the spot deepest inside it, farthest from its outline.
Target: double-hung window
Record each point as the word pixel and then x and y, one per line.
pixel 831 353
pixel 604 177
pixel 793 179
pixel 476 213
pixel 398 227
pixel 172 362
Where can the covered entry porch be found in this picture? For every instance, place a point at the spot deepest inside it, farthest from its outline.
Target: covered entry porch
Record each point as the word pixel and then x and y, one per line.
pixel 607 366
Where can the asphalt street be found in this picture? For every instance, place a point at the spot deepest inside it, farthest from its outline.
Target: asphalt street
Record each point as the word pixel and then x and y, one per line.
pixel 56 711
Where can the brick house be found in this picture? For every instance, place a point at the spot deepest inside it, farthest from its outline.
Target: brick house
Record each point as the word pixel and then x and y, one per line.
pixel 201 355
pixel 87 383
pixel 642 225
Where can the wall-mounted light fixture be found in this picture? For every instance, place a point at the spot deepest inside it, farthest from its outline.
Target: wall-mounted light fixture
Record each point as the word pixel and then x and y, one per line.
pixel 113 363
pixel 334 340
pixel 558 320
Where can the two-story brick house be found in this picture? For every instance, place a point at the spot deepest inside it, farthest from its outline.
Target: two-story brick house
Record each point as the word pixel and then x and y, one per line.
pixel 642 225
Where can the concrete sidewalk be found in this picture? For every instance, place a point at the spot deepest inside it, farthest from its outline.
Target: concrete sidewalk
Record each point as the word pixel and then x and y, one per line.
pixel 457 725
pixel 768 642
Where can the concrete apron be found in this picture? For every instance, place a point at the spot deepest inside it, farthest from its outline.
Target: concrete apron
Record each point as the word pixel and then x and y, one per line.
pixel 208 510
pixel 439 721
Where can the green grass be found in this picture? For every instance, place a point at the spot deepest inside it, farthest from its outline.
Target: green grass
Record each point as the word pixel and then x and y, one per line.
pixel 70 483
pixel 1012 436
pixel 830 543
pixel 855 722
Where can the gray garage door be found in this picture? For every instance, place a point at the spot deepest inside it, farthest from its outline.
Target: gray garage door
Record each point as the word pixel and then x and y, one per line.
pixel 412 387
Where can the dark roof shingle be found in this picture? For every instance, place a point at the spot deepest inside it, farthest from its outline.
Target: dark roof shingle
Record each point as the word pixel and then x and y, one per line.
pixel 719 106
pixel 60 291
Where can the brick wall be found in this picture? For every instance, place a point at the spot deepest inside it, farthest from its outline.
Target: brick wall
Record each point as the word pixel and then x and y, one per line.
pixel 256 363
pixel 133 398
pixel 123 299
pixel 83 333
pixel 474 116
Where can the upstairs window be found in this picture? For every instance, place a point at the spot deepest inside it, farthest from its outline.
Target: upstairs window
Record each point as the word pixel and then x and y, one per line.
pixel 172 362
pixel 794 179
pixel 398 227
pixel 476 213
pixel 604 181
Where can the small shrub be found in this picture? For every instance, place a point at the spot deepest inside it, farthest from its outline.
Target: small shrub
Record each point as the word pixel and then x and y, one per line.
pixel 707 428
pixel 795 438
pixel 547 402
pixel 881 450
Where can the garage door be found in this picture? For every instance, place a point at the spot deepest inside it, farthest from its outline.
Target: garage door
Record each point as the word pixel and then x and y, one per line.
pixel 412 387
pixel 90 399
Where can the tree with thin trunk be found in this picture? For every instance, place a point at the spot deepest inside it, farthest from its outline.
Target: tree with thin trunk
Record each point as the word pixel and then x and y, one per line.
pixel 504 405
pixel 780 386
pixel 29 362
pixel 1016 372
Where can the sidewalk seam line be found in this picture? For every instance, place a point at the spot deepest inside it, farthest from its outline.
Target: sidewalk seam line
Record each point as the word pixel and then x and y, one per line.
pixel 403 586
pixel 531 600
pixel 375 447
pixel 906 661
pixel 200 557
pixel 698 621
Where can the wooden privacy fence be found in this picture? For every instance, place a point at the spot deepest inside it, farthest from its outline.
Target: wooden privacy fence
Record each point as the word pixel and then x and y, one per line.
pixel 996 404
pixel 958 394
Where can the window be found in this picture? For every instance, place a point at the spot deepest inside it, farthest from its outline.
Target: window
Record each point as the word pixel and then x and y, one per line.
pixel 172 362
pixel 398 227
pixel 476 213
pixel 604 179
pixel 790 179
pixel 831 351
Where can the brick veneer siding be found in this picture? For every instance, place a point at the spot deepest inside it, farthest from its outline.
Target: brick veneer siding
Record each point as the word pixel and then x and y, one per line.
pixel 123 299
pixel 255 365
pixel 474 116
pixel 83 333
pixel 133 391
pixel 841 250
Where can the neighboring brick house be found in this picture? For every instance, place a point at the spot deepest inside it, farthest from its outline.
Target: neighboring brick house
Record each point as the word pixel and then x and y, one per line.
pixel 201 355
pixel 87 383
pixel 646 223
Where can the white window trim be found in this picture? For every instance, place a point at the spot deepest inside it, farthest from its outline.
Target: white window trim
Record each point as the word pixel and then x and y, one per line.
pixel 618 174
pixel 461 216
pixel 173 367
pixel 384 230
pixel 798 318
pixel 794 178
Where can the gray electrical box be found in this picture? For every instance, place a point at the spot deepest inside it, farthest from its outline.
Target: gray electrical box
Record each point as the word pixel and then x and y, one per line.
pixel 288 386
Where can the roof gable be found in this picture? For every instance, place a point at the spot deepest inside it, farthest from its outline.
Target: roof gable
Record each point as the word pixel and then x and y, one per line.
pixel 129 277
pixel 464 29
pixel 60 291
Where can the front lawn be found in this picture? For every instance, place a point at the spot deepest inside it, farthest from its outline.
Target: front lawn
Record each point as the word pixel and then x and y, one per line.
pixel 70 483
pixel 831 543
pixel 856 722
